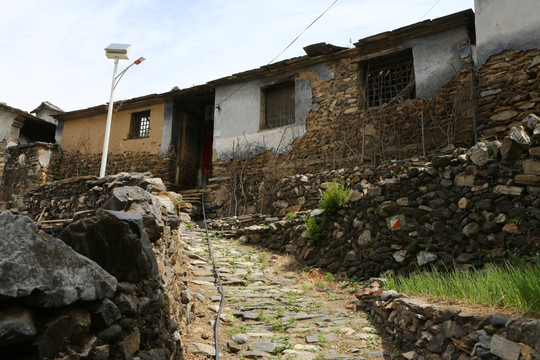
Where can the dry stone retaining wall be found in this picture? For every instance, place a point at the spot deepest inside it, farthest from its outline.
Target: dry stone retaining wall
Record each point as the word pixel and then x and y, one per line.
pixel 427 331
pixel 461 207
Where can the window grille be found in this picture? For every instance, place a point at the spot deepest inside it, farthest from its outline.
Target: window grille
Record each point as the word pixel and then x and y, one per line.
pixel 389 78
pixel 279 105
pixel 140 125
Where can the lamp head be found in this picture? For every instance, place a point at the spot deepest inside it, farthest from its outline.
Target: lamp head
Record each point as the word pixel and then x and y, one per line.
pixel 118 51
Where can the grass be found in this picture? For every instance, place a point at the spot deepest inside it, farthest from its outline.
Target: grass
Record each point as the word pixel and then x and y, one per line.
pixel 516 286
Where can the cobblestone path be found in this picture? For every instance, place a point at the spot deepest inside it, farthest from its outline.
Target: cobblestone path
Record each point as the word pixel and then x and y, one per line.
pixel 273 308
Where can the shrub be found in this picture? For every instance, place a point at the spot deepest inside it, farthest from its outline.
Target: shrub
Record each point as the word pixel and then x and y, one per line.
pixel 334 197
pixel 290 216
pixel 315 230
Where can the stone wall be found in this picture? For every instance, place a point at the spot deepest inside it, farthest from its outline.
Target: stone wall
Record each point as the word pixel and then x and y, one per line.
pixel 335 130
pixel 146 316
pixel 429 331
pixel 508 91
pixel 464 206
pixel 25 167
pixel 83 164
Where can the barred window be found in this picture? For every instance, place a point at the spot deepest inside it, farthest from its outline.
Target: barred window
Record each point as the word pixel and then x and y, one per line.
pixel 390 78
pixel 278 105
pixel 140 125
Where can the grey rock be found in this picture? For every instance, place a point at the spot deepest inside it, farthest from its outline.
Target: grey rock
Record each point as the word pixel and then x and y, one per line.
pixel 530 331
pixel 465 258
pixel 471 230
pixel 441 160
pixel 198 348
pixel 44 270
pixel 504 348
pixel 185 296
pixel 110 334
pixel 106 314
pixel 479 154
pixel 425 257
pixel 105 235
pixel 234 347
pixel 267 347
pixel 16 327
pixel 535 139
pixel 133 199
pixel 520 136
pixel 498 321
pixel 364 238
pixel 240 338
pixel 494 148
pixel 155 354
pixel 530 122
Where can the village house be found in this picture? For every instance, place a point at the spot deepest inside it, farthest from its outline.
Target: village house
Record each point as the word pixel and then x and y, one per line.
pixel 392 95
pixel 268 108
pixel 168 134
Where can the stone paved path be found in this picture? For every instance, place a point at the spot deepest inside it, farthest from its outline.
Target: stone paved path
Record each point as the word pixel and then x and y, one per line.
pixel 273 309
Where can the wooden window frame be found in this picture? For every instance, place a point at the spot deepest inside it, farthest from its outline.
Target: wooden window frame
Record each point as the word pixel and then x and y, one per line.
pixel 283 92
pixel 388 78
pixel 139 127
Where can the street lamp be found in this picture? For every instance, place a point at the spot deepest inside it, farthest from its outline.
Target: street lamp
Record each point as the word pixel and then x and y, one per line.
pixel 116 52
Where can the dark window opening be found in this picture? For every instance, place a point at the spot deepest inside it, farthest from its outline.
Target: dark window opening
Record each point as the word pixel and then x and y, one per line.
pixel 390 78
pixel 279 105
pixel 140 125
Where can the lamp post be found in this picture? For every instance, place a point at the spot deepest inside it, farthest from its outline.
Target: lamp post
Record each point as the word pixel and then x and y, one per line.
pixel 116 52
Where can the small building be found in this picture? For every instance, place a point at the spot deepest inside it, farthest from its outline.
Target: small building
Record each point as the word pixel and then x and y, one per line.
pixel 17 127
pixel 165 133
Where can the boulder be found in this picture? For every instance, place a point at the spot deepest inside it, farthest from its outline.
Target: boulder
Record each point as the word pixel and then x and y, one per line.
pixel 44 270
pixel 133 199
pixel 116 241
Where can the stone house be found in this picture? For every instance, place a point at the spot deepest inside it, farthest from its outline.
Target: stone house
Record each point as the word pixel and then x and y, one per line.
pixel 17 127
pixel 163 133
pixel 21 130
pixel 268 108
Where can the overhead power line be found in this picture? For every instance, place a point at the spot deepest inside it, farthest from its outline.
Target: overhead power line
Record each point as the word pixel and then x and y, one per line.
pixel 278 55
pixel 436 2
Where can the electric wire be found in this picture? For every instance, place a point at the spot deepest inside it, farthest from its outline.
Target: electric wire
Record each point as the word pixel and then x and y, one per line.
pixel 218 280
pixel 282 51
pixel 436 2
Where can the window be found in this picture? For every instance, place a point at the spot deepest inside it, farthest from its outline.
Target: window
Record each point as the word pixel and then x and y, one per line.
pixel 278 105
pixel 389 78
pixel 140 125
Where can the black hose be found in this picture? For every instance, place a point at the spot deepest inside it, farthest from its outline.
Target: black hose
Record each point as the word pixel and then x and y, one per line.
pixel 218 281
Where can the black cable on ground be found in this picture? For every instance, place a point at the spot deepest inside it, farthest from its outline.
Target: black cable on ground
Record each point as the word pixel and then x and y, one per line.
pixel 218 281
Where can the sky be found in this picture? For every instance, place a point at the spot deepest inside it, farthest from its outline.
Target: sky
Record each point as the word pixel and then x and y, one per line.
pixel 54 50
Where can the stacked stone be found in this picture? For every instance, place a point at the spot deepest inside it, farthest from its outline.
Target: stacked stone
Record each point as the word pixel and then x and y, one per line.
pixel 79 164
pixel 443 332
pixel 76 297
pixel 464 206
pixel 509 90
pixel 64 198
